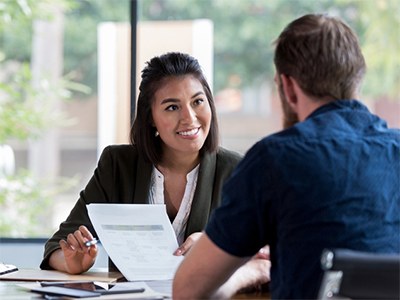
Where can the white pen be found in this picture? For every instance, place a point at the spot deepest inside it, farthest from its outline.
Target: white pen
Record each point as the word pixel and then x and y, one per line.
pixel 92 242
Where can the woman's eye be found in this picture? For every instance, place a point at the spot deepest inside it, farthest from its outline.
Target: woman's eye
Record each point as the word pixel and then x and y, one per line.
pixel 172 107
pixel 198 101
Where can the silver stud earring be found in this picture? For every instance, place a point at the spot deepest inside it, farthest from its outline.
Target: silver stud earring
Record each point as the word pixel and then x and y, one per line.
pixel 156 134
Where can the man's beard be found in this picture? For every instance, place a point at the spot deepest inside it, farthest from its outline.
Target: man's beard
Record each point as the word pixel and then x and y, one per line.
pixel 290 118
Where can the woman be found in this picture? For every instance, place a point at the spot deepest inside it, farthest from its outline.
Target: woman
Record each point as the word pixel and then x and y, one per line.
pixel 173 158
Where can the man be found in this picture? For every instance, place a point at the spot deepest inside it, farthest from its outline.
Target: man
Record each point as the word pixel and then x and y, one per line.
pixel 330 179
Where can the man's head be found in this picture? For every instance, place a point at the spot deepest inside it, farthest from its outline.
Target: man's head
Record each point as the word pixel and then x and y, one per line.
pixel 323 55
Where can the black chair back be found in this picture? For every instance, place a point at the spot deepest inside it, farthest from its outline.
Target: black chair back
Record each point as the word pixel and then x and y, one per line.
pixel 359 275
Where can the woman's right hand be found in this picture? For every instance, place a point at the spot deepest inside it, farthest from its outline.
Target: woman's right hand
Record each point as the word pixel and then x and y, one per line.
pixel 77 256
pixel 190 241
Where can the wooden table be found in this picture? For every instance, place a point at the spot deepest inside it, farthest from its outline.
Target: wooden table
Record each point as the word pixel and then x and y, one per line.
pixel 9 291
pixel 255 295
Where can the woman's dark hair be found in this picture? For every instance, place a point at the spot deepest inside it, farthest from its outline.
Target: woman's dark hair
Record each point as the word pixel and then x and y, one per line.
pixel 158 70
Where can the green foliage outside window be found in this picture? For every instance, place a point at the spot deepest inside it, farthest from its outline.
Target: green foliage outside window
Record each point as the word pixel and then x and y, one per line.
pixel 26 112
pixel 244 30
pixel 26 203
pixel 380 23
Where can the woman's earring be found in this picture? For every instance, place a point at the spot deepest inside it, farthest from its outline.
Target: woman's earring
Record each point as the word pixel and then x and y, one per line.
pixel 156 134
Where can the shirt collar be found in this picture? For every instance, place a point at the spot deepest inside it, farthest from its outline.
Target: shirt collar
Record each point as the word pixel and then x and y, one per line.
pixel 340 104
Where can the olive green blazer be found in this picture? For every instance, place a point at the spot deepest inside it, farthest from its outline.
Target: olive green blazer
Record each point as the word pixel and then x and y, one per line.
pixel 122 176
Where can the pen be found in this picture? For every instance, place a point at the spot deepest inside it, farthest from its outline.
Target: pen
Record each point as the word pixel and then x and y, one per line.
pixel 92 242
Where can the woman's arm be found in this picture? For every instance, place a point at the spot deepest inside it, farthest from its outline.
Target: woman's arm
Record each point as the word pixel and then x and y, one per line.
pixel 99 189
pixel 75 257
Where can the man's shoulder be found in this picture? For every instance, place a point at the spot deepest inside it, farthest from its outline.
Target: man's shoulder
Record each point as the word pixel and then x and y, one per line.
pixel 335 124
pixel 281 138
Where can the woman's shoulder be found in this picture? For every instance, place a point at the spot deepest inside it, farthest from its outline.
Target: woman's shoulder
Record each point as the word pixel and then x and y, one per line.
pixel 122 148
pixel 226 156
pixel 119 152
pixel 229 154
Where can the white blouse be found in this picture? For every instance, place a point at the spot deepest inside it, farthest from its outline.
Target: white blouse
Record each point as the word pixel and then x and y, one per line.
pixel 156 196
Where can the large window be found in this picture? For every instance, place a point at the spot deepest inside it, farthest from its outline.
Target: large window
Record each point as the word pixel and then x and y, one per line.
pixel 49 93
pixel 246 99
pixel 48 107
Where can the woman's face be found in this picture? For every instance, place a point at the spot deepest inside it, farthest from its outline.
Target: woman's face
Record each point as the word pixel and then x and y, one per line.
pixel 182 115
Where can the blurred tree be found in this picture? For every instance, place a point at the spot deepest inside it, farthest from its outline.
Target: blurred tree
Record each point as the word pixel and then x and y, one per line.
pixel 20 115
pixel 16 17
pixel 244 30
pixel 24 196
pixel 378 26
pixel 80 45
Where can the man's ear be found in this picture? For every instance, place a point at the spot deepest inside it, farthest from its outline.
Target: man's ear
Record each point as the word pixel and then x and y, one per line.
pixel 288 85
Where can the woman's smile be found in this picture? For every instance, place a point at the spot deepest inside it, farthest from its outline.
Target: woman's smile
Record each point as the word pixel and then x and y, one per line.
pixel 190 133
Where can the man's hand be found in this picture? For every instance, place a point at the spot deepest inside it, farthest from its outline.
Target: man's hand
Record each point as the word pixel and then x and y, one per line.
pixel 217 273
pixel 251 276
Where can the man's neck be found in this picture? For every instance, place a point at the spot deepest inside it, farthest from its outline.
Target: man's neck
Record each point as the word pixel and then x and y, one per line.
pixel 311 104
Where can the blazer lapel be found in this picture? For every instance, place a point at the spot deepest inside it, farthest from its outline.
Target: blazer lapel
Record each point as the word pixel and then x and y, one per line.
pixel 201 205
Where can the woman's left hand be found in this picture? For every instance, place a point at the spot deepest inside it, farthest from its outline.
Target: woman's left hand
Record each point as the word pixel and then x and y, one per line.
pixel 252 275
pixel 190 241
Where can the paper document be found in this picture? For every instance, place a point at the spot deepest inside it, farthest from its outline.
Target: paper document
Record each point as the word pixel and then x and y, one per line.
pixel 161 286
pixel 139 239
pixel 5 269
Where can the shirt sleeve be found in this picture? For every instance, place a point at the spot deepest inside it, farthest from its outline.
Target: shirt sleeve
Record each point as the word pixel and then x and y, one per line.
pixel 240 225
